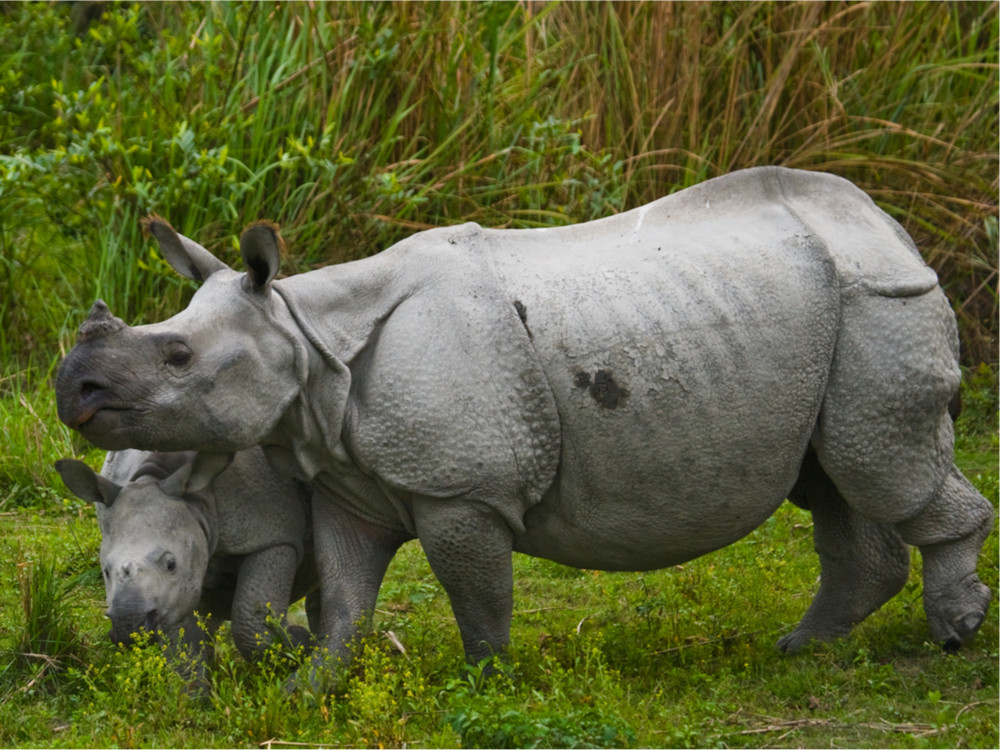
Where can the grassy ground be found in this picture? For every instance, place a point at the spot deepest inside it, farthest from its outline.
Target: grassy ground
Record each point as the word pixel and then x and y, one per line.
pixel 678 658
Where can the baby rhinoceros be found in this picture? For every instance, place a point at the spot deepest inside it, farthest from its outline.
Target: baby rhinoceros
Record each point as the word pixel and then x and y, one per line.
pixel 185 533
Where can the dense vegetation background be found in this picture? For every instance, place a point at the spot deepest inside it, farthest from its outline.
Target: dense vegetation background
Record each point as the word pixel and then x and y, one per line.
pixel 352 125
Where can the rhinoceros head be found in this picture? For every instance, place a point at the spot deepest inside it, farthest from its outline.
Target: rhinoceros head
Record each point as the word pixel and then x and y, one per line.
pixel 214 377
pixel 155 545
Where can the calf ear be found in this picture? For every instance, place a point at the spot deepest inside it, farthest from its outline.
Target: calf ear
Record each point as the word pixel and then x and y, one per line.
pixel 195 475
pixel 206 467
pixel 186 256
pixel 86 483
pixel 261 247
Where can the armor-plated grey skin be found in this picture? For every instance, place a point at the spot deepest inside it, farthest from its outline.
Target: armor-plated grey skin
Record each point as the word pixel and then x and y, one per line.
pixel 625 394
pixel 182 534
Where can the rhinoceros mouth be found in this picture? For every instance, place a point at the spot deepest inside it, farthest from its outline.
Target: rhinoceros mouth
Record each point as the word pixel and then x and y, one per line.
pixel 87 417
pixel 99 420
pixel 80 402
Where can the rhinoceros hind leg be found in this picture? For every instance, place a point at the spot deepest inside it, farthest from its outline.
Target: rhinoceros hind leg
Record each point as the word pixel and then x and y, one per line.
pixel 955 600
pixel 863 564
pixel 885 437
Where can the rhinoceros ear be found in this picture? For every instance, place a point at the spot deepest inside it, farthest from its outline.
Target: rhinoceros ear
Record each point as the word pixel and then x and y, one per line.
pixel 196 475
pixel 261 247
pixel 186 256
pixel 86 483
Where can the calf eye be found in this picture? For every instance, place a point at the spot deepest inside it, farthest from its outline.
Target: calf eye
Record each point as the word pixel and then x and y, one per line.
pixel 171 564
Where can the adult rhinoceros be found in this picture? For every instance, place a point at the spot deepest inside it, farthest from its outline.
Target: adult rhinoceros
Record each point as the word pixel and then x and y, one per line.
pixel 625 394
pixel 182 533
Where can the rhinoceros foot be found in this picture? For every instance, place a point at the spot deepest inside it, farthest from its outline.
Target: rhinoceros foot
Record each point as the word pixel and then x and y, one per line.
pixel 955 617
pixel 803 636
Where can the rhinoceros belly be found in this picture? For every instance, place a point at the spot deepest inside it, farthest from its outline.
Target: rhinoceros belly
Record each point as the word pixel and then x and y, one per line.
pixel 687 366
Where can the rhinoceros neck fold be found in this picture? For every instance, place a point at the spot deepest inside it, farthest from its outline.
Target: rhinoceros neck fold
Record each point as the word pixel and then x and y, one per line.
pixel 338 308
pixel 312 426
pixel 309 442
pixel 204 508
pixel 308 330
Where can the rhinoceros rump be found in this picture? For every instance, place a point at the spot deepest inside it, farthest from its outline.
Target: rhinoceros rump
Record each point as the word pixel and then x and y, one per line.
pixel 624 394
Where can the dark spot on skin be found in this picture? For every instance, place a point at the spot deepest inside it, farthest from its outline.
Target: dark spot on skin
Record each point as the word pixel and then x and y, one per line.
pixel 603 388
pixel 522 313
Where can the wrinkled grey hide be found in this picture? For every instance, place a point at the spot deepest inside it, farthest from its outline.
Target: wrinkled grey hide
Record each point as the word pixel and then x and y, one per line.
pixel 625 394
pixel 181 534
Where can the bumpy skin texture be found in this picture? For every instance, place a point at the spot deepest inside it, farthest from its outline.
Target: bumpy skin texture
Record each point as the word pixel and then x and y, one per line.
pixel 237 548
pixel 625 394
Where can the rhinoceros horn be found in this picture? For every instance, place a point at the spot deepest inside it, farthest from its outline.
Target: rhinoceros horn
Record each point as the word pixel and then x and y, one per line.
pixel 99 323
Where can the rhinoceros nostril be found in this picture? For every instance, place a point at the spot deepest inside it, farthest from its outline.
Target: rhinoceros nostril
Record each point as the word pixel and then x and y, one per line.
pixel 89 388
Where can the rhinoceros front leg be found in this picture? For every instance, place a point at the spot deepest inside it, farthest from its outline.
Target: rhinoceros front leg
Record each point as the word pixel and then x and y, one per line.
pixel 190 645
pixel 263 589
pixel 352 556
pixel 469 548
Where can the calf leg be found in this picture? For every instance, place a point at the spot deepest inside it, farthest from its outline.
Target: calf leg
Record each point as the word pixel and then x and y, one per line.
pixel 263 589
pixel 314 609
pixel 469 548
pixel 863 564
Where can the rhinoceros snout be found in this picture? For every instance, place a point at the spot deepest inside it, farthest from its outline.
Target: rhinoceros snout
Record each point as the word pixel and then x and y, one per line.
pixel 80 391
pixel 79 398
pixel 124 629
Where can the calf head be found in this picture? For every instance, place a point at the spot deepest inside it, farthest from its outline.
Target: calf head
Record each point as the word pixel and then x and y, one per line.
pixel 216 377
pixel 156 541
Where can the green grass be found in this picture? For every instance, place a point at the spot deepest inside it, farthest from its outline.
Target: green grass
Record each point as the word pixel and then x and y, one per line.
pixel 682 657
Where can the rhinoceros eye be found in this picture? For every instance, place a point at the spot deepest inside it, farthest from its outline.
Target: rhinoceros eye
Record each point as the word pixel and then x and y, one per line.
pixel 169 562
pixel 178 355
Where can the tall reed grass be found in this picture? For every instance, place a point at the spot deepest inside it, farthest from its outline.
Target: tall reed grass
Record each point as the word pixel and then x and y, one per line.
pixel 354 123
